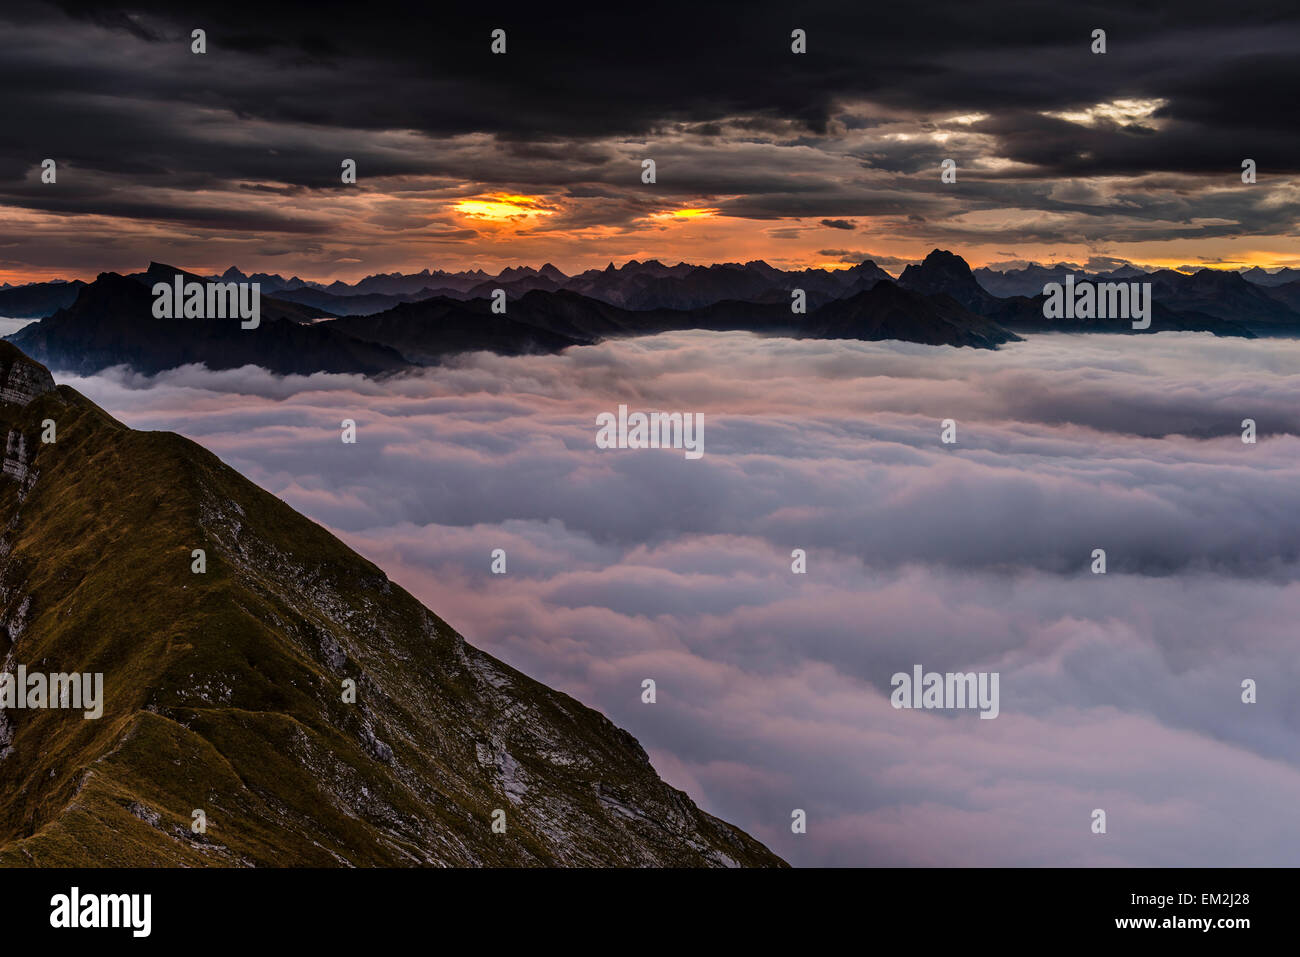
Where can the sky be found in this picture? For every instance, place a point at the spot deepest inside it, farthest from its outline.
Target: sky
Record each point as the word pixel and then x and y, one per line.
pixel 1119 691
pixel 466 159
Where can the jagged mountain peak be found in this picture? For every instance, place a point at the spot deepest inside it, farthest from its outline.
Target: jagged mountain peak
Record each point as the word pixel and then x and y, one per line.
pixel 947 273
pixel 943 260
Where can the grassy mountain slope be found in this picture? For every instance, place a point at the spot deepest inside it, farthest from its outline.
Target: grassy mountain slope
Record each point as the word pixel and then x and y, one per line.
pixel 223 691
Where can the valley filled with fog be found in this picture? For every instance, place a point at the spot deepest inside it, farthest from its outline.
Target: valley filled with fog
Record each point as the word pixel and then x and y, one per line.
pixel 1119 691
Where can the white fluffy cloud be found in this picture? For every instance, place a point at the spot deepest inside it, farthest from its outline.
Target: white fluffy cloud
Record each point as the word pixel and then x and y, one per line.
pixel 1120 692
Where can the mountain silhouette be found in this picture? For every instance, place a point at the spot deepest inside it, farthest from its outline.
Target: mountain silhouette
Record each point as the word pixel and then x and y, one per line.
pixel 390 322
pixel 38 299
pixel 111 322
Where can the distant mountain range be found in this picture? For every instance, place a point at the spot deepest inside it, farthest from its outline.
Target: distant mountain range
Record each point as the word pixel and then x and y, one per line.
pixel 228 691
pixel 387 323
pixel 111 322
pixel 634 285
pixel 1029 280
pixel 1213 301
pixel 38 299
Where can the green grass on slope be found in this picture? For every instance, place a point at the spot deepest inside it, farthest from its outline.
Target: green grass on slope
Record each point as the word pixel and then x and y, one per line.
pixel 223 690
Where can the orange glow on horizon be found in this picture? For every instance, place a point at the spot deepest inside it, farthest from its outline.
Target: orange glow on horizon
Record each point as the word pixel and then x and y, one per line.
pixel 1262 260
pixel 513 230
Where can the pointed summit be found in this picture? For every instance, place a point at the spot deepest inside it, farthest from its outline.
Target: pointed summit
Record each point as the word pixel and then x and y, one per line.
pixel 943 262
pixel 946 273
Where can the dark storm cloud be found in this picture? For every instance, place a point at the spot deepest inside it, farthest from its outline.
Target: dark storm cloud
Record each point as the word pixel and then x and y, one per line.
pixel 1057 147
pixel 713 92
pixel 609 70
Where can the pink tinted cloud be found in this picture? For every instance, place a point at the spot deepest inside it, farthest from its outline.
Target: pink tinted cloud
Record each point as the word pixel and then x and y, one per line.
pixel 1119 691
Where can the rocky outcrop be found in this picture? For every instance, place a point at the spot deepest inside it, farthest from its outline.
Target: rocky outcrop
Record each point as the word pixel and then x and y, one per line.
pixel 21 379
pixel 21 382
pixel 15 461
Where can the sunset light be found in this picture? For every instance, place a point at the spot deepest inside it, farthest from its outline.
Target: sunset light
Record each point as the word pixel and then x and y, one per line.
pixel 503 207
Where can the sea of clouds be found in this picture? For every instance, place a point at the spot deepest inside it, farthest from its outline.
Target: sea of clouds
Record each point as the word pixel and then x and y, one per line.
pixel 1119 691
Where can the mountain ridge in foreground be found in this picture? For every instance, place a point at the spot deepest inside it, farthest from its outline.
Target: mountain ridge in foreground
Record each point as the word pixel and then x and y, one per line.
pixel 223 691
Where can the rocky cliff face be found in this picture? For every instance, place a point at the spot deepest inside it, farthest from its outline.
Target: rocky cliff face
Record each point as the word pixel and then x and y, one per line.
pixel 15 460
pixel 21 379
pixel 289 697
